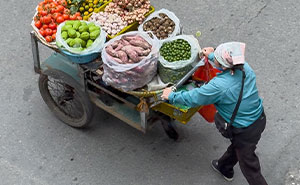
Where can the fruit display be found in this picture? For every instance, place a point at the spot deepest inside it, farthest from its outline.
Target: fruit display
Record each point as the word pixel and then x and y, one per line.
pixel 128 50
pixel 161 26
pixel 79 34
pixel 85 7
pixel 110 23
pixel 130 10
pixel 50 13
pixel 176 50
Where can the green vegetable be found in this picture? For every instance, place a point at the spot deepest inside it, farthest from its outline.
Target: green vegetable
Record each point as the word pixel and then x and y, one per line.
pixel 94 34
pixel 69 23
pixel 93 28
pixel 91 24
pixel 76 25
pixel 83 28
pixel 83 43
pixel 89 43
pixel 176 50
pixel 77 34
pixel 83 23
pixel 85 36
pixel 66 27
pixel 69 40
pixel 72 43
pixel 72 33
pixel 77 43
pixel 64 35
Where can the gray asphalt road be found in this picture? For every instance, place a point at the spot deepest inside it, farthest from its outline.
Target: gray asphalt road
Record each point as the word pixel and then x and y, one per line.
pixel 37 149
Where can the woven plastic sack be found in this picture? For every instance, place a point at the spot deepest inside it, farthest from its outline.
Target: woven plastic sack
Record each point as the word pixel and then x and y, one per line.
pixel 171 15
pixel 128 77
pixel 95 47
pixel 174 71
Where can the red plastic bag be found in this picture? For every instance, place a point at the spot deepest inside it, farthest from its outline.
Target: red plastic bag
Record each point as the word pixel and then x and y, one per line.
pixel 206 73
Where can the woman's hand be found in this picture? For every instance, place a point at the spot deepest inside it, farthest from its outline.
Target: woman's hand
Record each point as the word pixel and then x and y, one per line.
pixel 207 51
pixel 166 93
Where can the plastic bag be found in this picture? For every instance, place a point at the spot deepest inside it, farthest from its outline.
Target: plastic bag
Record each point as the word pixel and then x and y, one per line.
pixel 206 73
pixel 173 71
pixel 171 15
pixel 95 47
pixel 130 76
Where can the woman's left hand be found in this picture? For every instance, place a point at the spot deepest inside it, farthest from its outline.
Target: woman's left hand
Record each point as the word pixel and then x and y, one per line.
pixel 166 93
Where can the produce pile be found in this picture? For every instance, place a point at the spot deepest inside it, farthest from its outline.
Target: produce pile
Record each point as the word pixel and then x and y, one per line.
pixel 176 50
pixel 161 26
pixel 85 7
pixel 130 10
pixel 51 13
pixel 79 34
pixel 110 23
pixel 130 61
pixel 177 55
pixel 128 50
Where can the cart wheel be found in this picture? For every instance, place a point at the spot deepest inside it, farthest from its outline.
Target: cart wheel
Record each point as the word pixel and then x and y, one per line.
pixel 169 127
pixel 65 98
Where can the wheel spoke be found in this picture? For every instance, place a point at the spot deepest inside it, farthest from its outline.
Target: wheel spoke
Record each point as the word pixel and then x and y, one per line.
pixel 65 98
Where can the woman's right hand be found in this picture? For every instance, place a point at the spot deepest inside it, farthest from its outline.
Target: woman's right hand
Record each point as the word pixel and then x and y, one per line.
pixel 206 51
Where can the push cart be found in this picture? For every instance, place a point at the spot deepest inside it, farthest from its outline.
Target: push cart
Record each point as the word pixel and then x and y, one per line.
pixel 71 91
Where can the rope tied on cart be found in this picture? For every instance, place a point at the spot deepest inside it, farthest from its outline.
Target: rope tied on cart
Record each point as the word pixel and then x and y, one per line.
pixel 143 106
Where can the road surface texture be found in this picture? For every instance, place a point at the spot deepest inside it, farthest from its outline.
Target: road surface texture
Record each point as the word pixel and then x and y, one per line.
pixel 37 149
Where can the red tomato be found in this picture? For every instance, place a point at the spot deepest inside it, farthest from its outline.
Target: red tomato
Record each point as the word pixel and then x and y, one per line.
pixel 47 7
pixel 48 1
pixel 53 10
pixel 48 38
pixel 67 11
pixel 60 19
pixel 54 31
pixel 77 14
pixel 63 2
pixel 79 17
pixel 53 5
pixel 60 8
pixel 52 26
pixel 40 8
pixel 42 32
pixel 73 17
pixel 55 15
pixel 38 24
pixel 41 3
pixel 53 36
pixel 66 16
pixel 48 31
pixel 46 19
pixel 44 13
pixel 45 26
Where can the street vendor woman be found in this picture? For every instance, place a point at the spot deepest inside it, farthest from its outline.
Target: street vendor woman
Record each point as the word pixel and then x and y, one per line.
pixel 223 91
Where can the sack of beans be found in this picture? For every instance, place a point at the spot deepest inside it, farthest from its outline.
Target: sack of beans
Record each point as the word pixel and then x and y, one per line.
pixel 161 24
pixel 130 60
pixel 176 57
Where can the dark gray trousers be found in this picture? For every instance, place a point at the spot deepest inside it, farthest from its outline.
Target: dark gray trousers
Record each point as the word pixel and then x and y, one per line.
pixel 242 150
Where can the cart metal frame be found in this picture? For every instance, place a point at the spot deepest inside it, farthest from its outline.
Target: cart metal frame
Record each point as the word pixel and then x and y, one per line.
pixel 119 104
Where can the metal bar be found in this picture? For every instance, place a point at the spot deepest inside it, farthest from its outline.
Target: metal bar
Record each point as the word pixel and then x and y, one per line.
pixel 131 105
pixel 35 53
pixel 190 73
pixel 143 120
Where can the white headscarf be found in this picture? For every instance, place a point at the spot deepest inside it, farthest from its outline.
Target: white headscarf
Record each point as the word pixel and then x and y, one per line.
pixel 230 54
